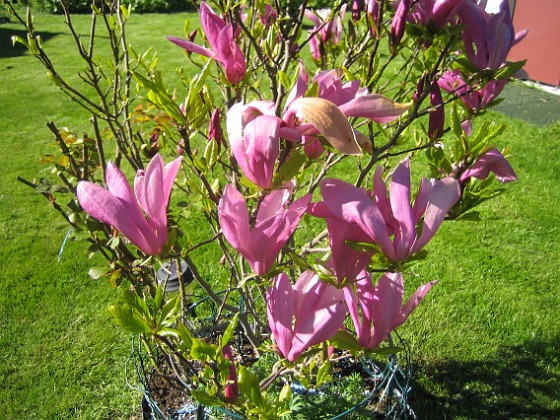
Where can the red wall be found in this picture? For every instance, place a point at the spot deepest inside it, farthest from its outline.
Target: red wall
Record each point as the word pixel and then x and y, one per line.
pixel 541 46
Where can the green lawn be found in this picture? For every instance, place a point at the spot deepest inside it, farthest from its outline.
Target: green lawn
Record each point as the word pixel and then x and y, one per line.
pixel 485 343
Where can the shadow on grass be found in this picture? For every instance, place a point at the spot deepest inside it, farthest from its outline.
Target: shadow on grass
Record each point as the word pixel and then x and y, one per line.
pixel 8 49
pixel 519 382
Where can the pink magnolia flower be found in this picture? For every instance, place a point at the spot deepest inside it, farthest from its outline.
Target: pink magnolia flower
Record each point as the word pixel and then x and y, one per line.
pixel 231 390
pixel 221 38
pixel 398 24
pixel 325 115
pixel 491 161
pixel 261 242
pixel 356 10
pixel 141 215
pixel 372 10
pixel 345 261
pixel 269 15
pixel 437 116
pixel 255 142
pixel 435 13
pixel 388 222
pixel 475 100
pixel 316 306
pixel 378 310
pixel 488 38
pixel 215 129
pixel 327 28
pixel 331 121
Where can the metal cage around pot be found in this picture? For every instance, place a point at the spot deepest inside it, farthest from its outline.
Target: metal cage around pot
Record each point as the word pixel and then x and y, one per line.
pixel 387 397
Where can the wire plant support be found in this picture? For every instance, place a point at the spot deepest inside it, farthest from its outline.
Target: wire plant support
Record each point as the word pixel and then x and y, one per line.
pixel 387 398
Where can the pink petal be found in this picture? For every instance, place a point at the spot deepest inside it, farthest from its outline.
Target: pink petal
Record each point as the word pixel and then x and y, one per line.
pixel 413 302
pixel 348 91
pixel 279 304
pixel 347 262
pixel 272 203
pixel 366 298
pixel 313 17
pixel 149 191
pixel 169 174
pixel 491 161
pixel 387 300
pixel 211 23
pixel 257 152
pixel 320 316
pixel 300 86
pixel 351 300
pixel 400 204
pixel 234 219
pixel 118 185
pixel 375 107
pixel 382 200
pixel 191 46
pixel 270 235
pixel 109 209
pixel 421 201
pixel 445 193
pixel 352 205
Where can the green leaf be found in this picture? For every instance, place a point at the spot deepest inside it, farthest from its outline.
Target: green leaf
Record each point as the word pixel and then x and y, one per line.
pixel 211 154
pixel 509 70
pixel 159 96
pixel 285 393
pixel 290 169
pixel 171 311
pixel 205 398
pixel 135 302
pixel 249 386
pixel 455 121
pixel 230 331
pixel 16 39
pixel 299 261
pixel 345 341
pixel 324 373
pixel 185 336
pixel 116 278
pixel 465 65
pixel 201 350
pixel 95 273
pixel 419 256
pixel 284 80
pixel 158 298
pixel 126 319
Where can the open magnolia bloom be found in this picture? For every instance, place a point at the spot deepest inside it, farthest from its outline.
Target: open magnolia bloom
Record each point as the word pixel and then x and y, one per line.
pixel 488 38
pixel 221 38
pixel 260 243
pixel 327 28
pixel 491 161
pixel 256 146
pixel 474 99
pixel 435 13
pixel 141 215
pixel 388 222
pixel 313 116
pixel 378 310
pixel 304 315
pixel 304 118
